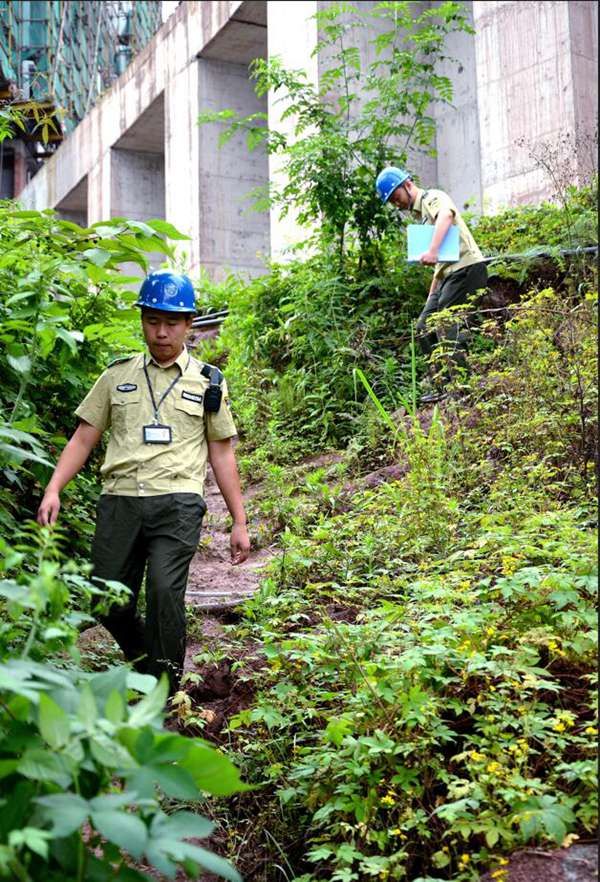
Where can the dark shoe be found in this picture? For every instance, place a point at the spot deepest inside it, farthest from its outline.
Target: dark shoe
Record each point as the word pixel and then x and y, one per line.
pixel 432 397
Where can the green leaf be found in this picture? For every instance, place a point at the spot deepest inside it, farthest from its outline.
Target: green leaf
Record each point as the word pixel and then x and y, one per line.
pixel 21 363
pixel 212 772
pixel 110 753
pixel 115 708
pixel 39 765
pixel 185 825
pixel 337 728
pixel 54 723
pixel 87 710
pixel 211 862
pixel 7 767
pixel 124 829
pixel 175 782
pixel 98 256
pixel 66 811
pixel 150 708
pixel 32 838
pixel 166 229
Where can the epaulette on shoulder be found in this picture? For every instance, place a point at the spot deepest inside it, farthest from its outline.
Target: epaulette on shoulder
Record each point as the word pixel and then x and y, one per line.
pixel 121 360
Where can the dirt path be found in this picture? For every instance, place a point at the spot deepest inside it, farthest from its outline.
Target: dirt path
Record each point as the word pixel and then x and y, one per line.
pixel 214 584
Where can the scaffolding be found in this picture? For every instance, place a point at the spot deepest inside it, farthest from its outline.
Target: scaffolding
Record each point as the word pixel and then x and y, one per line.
pixel 63 54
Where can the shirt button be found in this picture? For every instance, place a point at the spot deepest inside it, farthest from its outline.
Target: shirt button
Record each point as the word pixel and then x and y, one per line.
pixel 141 486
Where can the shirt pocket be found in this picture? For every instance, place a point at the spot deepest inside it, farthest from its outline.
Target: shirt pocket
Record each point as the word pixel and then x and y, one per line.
pixel 125 410
pixel 189 411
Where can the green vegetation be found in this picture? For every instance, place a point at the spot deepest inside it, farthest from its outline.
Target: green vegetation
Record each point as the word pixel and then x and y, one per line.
pixel 419 662
pixel 90 781
pixel 423 649
pixel 426 702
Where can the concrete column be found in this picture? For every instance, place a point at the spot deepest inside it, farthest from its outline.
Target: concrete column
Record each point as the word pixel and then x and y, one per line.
pixel 20 168
pixel 99 189
pixel 583 26
pixel 458 143
pixel 182 169
pixel 232 236
pixel 292 35
pixel 525 95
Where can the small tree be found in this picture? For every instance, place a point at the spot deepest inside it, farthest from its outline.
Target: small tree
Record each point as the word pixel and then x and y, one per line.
pixel 357 119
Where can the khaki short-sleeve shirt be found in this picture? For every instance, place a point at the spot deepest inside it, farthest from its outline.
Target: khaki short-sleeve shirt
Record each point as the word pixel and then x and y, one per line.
pixel 120 402
pixel 427 206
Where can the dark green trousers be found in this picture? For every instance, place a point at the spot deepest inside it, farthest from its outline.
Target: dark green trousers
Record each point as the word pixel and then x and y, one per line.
pixel 453 291
pixel 156 535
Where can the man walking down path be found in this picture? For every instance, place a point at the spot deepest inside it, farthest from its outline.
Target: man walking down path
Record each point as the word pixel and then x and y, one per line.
pixel 452 283
pixel 168 414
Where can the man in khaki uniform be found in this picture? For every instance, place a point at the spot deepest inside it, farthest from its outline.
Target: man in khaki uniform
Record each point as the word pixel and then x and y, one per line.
pixel 168 415
pixel 452 283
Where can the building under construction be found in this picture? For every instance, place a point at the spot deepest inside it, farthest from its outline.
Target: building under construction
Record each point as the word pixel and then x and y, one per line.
pixel 57 57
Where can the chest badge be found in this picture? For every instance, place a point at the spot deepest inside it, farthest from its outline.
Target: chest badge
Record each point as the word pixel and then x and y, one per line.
pixel 192 396
pixel 127 387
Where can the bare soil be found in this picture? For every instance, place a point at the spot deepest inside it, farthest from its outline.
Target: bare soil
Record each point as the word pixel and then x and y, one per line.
pixel 576 864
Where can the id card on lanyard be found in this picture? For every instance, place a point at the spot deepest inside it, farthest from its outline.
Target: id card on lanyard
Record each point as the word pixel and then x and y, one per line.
pixel 157 432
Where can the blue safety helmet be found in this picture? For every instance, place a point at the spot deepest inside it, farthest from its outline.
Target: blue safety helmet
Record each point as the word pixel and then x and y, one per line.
pixel 389 180
pixel 167 291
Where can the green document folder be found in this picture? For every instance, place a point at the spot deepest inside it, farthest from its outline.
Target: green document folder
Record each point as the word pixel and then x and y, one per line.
pixel 419 238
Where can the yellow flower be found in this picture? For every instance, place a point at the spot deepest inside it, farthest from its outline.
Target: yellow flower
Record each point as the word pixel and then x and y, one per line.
pixel 590 730
pixel 463 861
pixel 499 874
pixel 493 767
pixel 490 631
pixel 476 755
pixel 387 800
pixel 559 727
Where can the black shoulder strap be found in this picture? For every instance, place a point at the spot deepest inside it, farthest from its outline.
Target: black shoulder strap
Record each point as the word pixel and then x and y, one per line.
pixel 213 374
pixel 214 394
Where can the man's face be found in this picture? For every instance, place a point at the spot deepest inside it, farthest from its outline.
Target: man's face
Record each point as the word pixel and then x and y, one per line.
pixel 165 333
pixel 400 197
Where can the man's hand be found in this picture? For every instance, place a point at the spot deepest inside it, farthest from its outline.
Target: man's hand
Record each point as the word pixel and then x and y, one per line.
pixel 49 508
pixel 430 258
pixel 240 544
pixel 71 460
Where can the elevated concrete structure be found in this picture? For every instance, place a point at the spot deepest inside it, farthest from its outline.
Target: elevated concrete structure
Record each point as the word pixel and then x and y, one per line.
pixel 528 74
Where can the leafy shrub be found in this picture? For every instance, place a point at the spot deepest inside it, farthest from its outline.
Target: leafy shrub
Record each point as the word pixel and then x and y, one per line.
pixel 85 766
pixel 65 310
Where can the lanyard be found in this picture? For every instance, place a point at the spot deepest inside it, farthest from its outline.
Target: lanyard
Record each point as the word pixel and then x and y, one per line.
pixel 156 406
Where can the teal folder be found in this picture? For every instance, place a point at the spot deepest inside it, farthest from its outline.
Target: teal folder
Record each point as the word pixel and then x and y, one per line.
pixel 419 238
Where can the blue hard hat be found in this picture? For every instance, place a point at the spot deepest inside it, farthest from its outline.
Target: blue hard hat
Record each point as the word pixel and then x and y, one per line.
pixel 167 291
pixel 388 180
